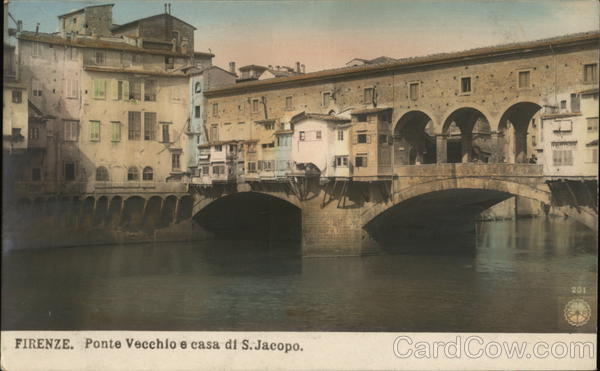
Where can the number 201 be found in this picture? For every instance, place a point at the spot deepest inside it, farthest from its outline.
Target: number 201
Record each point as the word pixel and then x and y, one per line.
pixel 578 290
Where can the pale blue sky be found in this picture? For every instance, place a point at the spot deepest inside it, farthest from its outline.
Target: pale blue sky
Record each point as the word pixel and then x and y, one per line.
pixel 326 34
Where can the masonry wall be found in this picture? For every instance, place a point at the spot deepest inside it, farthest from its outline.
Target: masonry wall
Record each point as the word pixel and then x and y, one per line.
pixel 494 89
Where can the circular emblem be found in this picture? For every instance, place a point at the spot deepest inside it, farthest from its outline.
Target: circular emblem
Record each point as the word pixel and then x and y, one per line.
pixel 577 312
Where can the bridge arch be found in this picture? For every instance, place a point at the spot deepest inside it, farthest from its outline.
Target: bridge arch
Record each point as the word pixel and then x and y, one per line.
pixel 513 129
pixel 414 139
pixel 466 135
pixel 258 215
pixel 498 191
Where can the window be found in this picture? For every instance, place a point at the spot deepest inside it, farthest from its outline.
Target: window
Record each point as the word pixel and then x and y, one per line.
pixel 382 139
pixel 198 87
pixel 255 105
pixel 120 90
pixel 533 140
pixel 136 59
pixel 205 170
pixel 575 106
pixel 214 132
pixel 268 145
pixel 326 99
pixel 116 131
pixel 16 133
pixel 284 141
pixel 99 89
pixel 289 103
pixel 101 174
pixel 368 95
pixel 197 111
pixel 340 135
pixel 218 148
pixel 17 96
pixel 72 88
pixel 465 85
pixel 252 167
pixel 169 63
pixel 218 169
pixel 592 124
pixel 165 132
pixel 318 135
pixel 125 59
pixel 36 88
pixel 563 104
pixel 302 136
pixel 134 125
pixel 99 57
pixel 148 173
pixel 413 90
pixel 36 49
pixel 362 138
pixel 150 90
pixel 175 94
pixel 135 89
pixel 71 130
pixel 562 153
pixel 34 133
pixel 149 126
pixel 69 171
pixel 593 155
pixel 524 79
pixel 94 131
pixel 215 109
pixel 361 160
pixel 175 164
pixel 133 174
pixel 590 73
pixel 36 174
pixel 341 161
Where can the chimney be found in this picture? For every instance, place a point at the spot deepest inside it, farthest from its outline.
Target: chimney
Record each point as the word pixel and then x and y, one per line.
pixel 169 8
pixel 232 67
pixel 303 69
pixel 165 8
pixel 19 26
pixel 298 67
pixel 37 27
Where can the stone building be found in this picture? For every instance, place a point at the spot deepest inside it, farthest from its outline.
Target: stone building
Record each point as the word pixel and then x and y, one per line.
pixel 569 135
pixel 118 98
pixel 471 106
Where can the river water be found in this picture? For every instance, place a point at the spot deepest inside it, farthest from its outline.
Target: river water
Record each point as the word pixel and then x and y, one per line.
pixel 518 278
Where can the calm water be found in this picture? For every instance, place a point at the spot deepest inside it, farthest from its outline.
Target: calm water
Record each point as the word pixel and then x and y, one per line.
pixel 518 278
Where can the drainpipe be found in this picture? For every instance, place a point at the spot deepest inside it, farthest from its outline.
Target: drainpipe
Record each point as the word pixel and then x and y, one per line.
pixel 555 74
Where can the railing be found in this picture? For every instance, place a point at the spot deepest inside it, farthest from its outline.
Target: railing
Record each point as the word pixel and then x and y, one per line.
pixel 469 169
pixel 28 188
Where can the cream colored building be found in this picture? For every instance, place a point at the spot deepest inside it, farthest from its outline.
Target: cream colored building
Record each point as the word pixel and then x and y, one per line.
pixel 120 103
pixel 568 136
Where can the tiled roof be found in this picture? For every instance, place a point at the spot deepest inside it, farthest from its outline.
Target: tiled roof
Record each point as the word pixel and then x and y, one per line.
pixel 370 110
pixel 82 42
pixel 318 116
pixel 589 91
pixel 148 18
pixel 83 9
pixel 406 63
pixel 129 70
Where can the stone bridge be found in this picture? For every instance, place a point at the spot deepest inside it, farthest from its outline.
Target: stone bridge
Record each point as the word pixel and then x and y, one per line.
pixel 354 218
pixel 321 217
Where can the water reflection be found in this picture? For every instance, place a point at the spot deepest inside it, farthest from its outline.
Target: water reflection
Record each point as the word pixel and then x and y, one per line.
pixel 514 280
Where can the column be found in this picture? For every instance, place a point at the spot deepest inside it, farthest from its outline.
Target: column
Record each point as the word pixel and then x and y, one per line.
pixel 497 139
pixel 441 144
pixel 467 146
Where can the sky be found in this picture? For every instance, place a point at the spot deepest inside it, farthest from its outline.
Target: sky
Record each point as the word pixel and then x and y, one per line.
pixel 326 34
